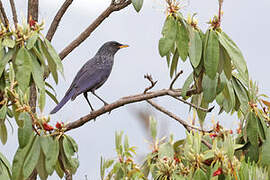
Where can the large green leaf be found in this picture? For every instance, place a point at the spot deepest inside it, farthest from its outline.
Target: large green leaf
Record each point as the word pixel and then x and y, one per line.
pixel 169 32
pixel 174 63
pixel 24 132
pixel 42 99
pixel 51 154
pixel 265 159
pixel 5 59
pixel 6 165
pixel 52 65
pixel 202 114
pixel 32 40
pixel 54 56
pixel 209 88
pixel 231 93
pixel 8 42
pixel 241 94
pixel 252 129
pixel 18 160
pixel 211 54
pixel 3 133
pixel 182 39
pixel 23 68
pixel 227 65
pixel 186 85
pixel 195 48
pixel 69 152
pixel 37 73
pixel 234 53
pixel 41 167
pixel 31 158
pixel 137 4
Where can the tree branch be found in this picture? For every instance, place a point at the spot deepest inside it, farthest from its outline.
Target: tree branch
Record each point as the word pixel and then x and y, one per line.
pixel 175 78
pixel 87 32
pixel 33 9
pixel 14 13
pixel 121 102
pixel 57 19
pixel 4 15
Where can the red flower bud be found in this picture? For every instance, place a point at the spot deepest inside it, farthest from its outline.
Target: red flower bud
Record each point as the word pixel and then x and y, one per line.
pixel 47 127
pixel 59 125
pixel 213 135
pixel 218 172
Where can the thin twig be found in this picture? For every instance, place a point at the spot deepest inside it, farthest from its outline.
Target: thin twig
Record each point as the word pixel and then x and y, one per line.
pixel 57 19
pixel 193 105
pixel 121 102
pixel 87 32
pixel 153 83
pixel 33 10
pixel 175 78
pixel 14 13
pixel 4 15
pixel 175 117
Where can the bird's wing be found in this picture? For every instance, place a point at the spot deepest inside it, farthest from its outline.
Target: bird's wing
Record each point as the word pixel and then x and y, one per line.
pixel 90 80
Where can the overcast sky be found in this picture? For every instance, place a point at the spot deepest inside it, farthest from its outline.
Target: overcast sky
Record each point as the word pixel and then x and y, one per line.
pixel 246 22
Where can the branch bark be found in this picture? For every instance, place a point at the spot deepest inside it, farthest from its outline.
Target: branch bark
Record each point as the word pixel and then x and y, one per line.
pixel 57 19
pixel 14 13
pixel 4 15
pixel 87 32
pixel 121 102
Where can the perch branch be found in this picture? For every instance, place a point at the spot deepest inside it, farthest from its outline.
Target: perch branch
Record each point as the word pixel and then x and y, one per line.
pixel 87 32
pixel 14 13
pixel 57 19
pixel 4 15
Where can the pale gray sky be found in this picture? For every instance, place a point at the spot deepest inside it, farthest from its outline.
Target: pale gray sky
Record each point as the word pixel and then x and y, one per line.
pixel 245 21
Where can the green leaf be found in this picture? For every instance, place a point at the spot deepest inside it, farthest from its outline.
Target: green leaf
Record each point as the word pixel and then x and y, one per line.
pixel 234 53
pixel 3 112
pixel 52 96
pixel 38 54
pixel 42 100
pixel 166 150
pixel 265 159
pixel 137 4
pixel 182 40
pixel 169 32
pixel 200 113
pixel 7 42
pixel 195 48
pixel 3 133
pixel 59 170
pixel 54 56
pixel 252 129
pixel 211 55
pixel 231 93
pixel 209 88
pixel 126 144
pixel 37 73
pixel 51 152
pixel 31 158
pixel 23 68
pixel 153 127
pixel 241 94
pixel 199 175
pixel 32 40
pixel 6 164
pixel 69 153
pixel 5 60
pixel 26 131
pixel 18 160
pixel 186 85
pixel 73 142
pixel 227 65
pixel 174 63
pixel 52 65
pixel 41 167
pixel 221 82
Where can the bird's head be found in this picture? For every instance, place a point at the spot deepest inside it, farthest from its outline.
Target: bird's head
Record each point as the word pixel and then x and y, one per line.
pixel 110 48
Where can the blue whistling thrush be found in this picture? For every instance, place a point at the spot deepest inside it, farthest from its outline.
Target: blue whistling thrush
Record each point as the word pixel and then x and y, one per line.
pixel 92 75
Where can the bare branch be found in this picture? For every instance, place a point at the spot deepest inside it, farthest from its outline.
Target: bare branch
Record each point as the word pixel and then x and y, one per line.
pixel 87 32
pixel 153 83
pixel 57 19
pixel 121 102
pixel 175 117
pixel 193 105
pixel 14 13
pixel 4 15
pixel 33 9
pixel 175 78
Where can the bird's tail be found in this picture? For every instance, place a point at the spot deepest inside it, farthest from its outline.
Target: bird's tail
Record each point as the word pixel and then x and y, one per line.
pixel 65 99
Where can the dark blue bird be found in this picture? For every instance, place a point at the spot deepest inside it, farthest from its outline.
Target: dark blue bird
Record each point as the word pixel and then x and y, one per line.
pixel 92 75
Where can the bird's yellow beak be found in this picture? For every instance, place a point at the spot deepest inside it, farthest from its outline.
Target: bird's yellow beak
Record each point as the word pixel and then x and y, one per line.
pixel 123 46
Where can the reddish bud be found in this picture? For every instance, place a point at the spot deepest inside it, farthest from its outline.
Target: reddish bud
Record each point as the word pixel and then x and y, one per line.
pixel 218 172
pixel 217 127
pixel 47 127
pixel 165 159
pixel 59 125
pixel 213 135
pixel 231 131
pixel 177 160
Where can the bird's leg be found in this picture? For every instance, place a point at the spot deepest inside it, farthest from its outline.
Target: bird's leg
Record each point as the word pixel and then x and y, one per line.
pixel 85 95
pixel 105 103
